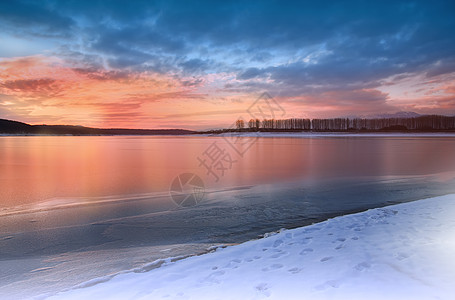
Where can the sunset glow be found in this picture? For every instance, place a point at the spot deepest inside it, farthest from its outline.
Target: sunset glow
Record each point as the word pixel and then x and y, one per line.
pixel 173 65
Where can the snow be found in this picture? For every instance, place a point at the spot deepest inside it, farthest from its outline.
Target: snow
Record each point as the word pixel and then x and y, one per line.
pixel 404 251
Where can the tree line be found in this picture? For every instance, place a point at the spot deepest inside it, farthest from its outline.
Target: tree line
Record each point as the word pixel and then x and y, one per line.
pixel 430 122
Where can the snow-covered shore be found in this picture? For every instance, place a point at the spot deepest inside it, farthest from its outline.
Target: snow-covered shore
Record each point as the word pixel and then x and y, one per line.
pixel 404 251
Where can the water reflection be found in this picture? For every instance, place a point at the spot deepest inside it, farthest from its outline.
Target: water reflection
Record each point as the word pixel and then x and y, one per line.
pixel 34 169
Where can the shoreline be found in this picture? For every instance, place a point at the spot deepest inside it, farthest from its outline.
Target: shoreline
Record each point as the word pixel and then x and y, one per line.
pixel 155 283
pixel 132 241
pixel 331 134
pixel 255 133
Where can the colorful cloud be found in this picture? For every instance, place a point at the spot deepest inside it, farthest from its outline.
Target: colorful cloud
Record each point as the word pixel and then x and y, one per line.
pixel 200 65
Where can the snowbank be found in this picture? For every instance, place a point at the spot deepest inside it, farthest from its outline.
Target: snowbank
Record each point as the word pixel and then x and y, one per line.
pixel 405 251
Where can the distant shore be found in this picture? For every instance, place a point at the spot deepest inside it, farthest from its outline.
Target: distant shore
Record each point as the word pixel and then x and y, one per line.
pixel 304 134
pixel 14 128
pixel 171 132
pixel 423 124
pixel 283 131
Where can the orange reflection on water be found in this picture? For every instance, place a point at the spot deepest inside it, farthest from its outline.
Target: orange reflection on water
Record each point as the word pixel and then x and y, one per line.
pixel 34 169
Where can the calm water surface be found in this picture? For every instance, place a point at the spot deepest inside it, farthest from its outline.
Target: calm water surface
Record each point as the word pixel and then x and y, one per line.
pixel 77 208
pixel 36 169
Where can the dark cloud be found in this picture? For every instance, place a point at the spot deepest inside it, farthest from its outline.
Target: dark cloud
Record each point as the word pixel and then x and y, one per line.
pixel 299 47
pixel 100 74
pixel 250 73
pixel 35 18
pixel 134 45
pixel 195 65
pixel 260 56
pixel 192 82
pixel 440 67
pixel 37 87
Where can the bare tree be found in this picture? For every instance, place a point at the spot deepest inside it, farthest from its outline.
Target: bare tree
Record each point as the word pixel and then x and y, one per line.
pixel 240 124
pixel 258 123
pixel 431 122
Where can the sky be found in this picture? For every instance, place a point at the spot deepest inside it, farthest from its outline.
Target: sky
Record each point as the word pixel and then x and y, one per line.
pixel 203 64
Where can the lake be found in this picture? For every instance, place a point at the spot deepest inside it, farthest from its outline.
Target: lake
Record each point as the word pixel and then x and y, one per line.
pixel 83 207
pixel 37 169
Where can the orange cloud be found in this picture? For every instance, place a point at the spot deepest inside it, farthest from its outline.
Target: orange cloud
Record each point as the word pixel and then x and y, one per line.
pixel 338 103
pixel 423 95
pixel 44 86
pixel 41 89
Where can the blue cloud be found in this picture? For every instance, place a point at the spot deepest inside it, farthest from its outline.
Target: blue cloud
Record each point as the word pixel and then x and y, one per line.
pixel 295 45
pixel 34 18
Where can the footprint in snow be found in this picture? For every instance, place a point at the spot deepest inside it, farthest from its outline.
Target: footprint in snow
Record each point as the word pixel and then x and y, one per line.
pixel 362 266
pixel 326 258
pixel 213 277
pixel 295 270
pixel 306 251
pixel 277 243
pixel 328 284
pixel 340 246
pixel 306 240
pixel 263 288
pixel 233 264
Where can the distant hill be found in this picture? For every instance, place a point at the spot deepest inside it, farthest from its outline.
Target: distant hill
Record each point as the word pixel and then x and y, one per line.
pixel 19 128
pixel 13 127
